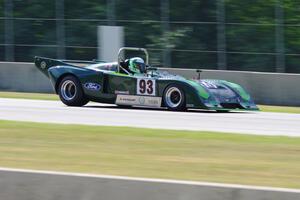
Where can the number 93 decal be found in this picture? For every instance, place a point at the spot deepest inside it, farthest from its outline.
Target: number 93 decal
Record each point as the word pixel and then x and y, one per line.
pixel 146 87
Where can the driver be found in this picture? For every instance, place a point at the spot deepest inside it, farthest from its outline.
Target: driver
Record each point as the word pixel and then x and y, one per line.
pixel 136 65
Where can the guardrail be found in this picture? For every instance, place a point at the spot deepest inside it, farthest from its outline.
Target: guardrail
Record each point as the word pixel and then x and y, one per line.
pixel 265 88
pixel 18 184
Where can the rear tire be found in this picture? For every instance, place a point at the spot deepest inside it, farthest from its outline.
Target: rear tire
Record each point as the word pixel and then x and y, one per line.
pixel 174 98
pixel 71 93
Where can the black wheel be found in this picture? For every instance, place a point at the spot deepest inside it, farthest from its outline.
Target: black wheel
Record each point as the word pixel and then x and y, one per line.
pixel 70 92
pixel 174 98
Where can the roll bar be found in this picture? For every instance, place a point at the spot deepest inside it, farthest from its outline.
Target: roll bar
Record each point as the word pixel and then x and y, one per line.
pixel 130 49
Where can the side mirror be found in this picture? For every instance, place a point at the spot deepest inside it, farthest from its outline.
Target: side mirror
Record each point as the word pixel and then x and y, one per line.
pixel 199 73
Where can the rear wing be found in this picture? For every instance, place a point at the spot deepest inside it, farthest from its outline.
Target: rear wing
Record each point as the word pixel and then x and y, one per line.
pixel 43 63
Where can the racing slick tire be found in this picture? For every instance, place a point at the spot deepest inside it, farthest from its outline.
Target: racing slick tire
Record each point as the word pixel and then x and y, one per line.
pixel 174 98
pixel 71 93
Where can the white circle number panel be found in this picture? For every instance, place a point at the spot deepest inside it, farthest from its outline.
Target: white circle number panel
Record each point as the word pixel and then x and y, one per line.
pixel 146 87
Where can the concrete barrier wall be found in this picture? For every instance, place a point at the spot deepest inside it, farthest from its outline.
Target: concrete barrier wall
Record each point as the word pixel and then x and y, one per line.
pixel 23 77
pixel 265 88
pixel 32 185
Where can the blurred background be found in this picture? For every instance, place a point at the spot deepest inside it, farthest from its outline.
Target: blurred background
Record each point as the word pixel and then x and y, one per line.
pixel 245 35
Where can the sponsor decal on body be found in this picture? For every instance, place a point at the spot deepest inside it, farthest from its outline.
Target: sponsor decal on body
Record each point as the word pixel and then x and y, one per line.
pixel 209 85
pixel 134 100
pixel 92 86
pixel 142 100
pixel 43 65
pixel 121 92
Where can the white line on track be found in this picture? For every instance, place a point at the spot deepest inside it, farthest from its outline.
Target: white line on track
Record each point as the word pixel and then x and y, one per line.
pixel 259 123
pixel 126 178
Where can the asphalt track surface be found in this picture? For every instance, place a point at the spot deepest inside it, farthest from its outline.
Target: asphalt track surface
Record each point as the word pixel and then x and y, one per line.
pixel 260 123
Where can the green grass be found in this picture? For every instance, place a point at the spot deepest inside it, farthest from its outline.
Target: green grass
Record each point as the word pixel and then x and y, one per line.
pixel 41 96
pixel 280 109
pixel 200 156
pixel 23 95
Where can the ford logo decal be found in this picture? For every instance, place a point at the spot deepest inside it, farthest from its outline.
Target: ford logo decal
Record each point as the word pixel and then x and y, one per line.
pixel 92 86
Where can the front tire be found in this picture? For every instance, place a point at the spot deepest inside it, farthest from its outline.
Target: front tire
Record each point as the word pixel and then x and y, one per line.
pixel 174 98
pixel 70 92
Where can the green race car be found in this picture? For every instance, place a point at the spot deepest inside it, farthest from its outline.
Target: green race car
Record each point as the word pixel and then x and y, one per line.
pixel 132 82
